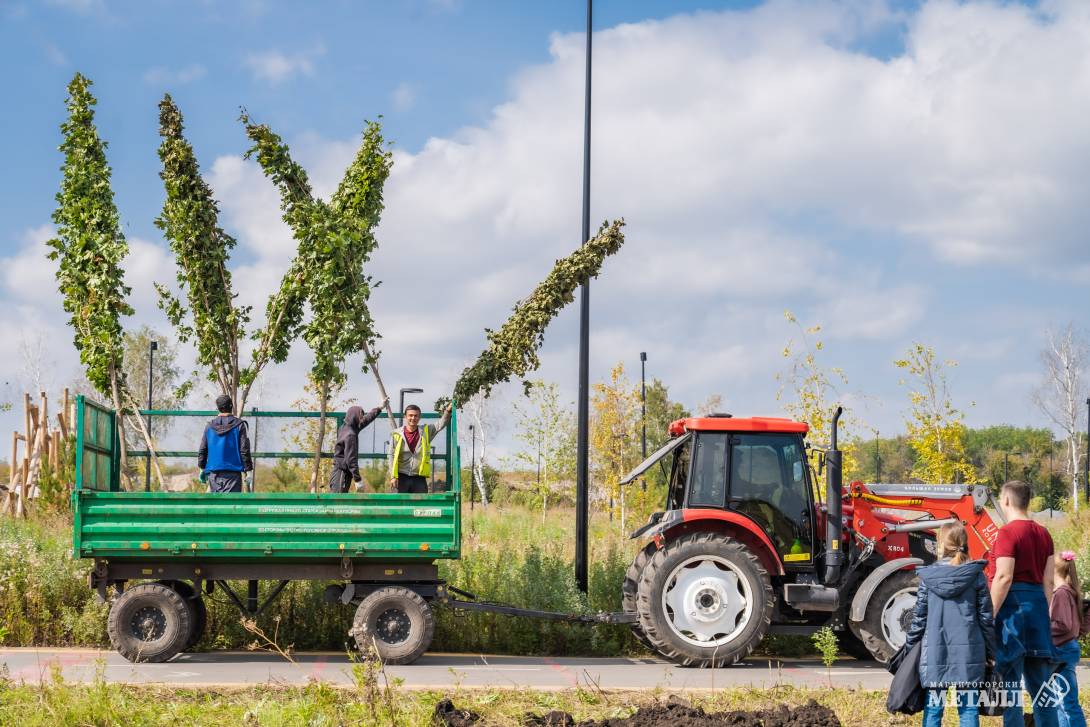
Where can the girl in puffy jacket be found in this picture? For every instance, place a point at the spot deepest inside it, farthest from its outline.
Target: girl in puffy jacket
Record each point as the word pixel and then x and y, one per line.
pixel 953 619
pixel 1065 612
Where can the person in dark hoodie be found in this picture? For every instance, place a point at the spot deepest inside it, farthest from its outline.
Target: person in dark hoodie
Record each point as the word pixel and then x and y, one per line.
pixel 224 454
pixel 953 619
pixel 346 463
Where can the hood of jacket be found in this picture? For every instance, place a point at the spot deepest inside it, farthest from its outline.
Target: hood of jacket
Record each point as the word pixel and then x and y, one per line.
pixel 948 580
pixel 354 418
pixel 225 423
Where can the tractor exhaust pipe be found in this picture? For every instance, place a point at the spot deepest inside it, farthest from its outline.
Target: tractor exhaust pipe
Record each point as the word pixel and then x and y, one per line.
pixel 834 477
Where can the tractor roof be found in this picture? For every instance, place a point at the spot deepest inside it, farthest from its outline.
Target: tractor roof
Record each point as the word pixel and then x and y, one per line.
pixel 727 423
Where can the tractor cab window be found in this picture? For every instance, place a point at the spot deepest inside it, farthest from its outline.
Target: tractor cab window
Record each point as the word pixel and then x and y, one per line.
pixel 679 476
pixel 768 483
pixel 709 482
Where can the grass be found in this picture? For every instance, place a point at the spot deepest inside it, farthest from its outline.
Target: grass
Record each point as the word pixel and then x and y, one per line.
pixel 58 704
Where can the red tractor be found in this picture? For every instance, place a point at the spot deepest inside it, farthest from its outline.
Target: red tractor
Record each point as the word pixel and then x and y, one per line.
pixel 745 546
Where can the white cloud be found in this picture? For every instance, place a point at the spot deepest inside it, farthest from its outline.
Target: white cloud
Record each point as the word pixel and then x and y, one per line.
pixel 161 75
pixel 54 54
pixel 78 6
pixel 275 66
pixel 404 97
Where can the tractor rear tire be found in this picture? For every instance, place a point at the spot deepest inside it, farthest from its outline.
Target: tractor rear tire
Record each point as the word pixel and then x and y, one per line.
pixel 198 611
pixel 704 600
pixel 630 590
pixel 396 623
pixel 888 615
pixel 149 622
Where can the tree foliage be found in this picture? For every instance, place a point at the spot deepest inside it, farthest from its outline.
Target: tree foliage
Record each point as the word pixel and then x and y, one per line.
pixel 335 240
pixel 202 249
pixel 615 440
pixel 936 429
pixel 546 431
pixel 169 389
pixel 512 350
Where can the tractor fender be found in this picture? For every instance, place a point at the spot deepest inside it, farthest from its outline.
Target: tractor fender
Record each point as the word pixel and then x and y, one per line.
pixel 677 522
pixel 872 581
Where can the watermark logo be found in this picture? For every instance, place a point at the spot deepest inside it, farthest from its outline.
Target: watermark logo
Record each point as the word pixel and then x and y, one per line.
pixel 1052 692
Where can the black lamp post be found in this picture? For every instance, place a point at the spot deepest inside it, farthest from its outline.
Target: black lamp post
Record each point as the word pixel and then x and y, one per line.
pixel 877 459
pixel 643 412
pixel 152 348
pixel 401 401
pixel 472 462
pixel 582 452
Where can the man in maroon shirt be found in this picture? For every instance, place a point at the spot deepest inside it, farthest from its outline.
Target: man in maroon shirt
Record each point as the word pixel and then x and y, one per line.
pixel 1021 590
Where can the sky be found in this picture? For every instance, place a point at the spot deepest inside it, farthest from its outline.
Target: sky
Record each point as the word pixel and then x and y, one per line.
pixel 891 171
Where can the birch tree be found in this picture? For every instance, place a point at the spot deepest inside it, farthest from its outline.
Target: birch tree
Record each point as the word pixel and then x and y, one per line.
pixel 479 408
pixel 1062 392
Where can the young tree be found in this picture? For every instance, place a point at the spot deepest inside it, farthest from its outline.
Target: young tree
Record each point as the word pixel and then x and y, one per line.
pixel 169 391
pixel 512 350
pixel 546 429
pixel 89 248
pixel 1062 392
pixel 202 249
pixel 480 410
pixel 336 240
pixel 813 390
pixel 614 438
pixel 936 429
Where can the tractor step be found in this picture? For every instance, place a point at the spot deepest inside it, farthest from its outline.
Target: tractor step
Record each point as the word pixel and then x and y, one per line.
pixel 811 597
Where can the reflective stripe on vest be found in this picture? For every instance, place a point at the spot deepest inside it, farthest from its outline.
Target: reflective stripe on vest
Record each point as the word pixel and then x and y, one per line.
pixel 424 470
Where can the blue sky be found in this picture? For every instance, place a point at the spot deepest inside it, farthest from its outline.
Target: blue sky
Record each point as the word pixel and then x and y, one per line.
pixel 895 171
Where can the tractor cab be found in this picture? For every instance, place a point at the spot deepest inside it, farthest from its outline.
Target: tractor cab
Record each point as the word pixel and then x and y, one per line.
pixel 755 467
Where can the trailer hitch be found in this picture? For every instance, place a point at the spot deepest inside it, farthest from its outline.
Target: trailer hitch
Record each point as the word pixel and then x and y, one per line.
pixel 507 610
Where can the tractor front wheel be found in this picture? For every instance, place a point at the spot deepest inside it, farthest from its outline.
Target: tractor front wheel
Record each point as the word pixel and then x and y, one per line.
pixel 704 600
pixel 889 613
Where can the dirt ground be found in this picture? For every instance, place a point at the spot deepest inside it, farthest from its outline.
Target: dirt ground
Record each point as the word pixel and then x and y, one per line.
pixel 674 713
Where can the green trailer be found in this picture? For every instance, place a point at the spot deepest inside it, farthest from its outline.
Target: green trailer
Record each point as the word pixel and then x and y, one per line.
pixel 156 554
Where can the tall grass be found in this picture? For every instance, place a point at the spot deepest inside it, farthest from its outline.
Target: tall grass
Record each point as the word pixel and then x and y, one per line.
pixel 509 556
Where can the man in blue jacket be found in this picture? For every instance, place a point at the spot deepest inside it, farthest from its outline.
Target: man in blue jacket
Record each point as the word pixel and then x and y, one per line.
pixel 224 453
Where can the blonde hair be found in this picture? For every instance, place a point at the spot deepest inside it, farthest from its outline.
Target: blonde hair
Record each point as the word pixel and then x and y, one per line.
pixel 953 543
pixel 1065 569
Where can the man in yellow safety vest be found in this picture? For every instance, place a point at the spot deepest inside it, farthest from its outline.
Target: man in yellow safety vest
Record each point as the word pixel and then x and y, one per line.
pixel 410 451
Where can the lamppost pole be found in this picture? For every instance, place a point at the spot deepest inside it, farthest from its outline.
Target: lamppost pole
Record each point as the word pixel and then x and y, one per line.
pixel 152 348
pixel 401 400
pixel 877 459
pixel 643 412
pixel 582 454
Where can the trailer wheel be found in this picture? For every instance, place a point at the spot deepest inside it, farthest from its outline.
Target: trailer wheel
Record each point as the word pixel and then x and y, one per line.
pixel 704 600
pixel 853 646
pixel 397 622
pixel 888 616
pixel 630 590
pixel 149 622
pixel 198 611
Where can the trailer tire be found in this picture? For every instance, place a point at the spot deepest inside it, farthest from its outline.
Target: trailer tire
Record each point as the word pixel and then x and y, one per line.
pixel 396 622
pixel 887 616
pixel 853 646
pixel 198 611
pixel 630 590
pixel 149 623
pixel 725 585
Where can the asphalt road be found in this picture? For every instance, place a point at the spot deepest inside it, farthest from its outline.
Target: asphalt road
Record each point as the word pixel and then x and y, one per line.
pixel 440 671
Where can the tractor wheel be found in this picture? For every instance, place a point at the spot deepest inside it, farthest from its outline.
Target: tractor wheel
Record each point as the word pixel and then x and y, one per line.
pixel 198 611
pixel 396 622
pixel 888 616
pixel 630 590
pixel 704 600
pixel 149 622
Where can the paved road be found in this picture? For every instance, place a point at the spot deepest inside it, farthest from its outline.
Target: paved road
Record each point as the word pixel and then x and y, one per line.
pixel 442 671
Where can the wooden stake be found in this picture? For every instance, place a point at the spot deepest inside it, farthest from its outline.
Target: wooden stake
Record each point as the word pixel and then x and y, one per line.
pixel 26 418
pixel 64 405
pixel 23 489
pixel 62 424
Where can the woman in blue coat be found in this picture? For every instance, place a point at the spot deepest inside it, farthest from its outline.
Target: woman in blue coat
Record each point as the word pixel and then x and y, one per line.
pixel 953 619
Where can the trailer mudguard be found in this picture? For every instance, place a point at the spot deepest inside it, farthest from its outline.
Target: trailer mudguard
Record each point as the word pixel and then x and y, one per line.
pixel 871 582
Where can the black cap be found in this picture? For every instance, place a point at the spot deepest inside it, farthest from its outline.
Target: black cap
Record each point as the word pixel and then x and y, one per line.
pixel 224 404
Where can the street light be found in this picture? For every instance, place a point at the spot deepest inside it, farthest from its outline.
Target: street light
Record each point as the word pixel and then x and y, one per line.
pixel 877 459
pixel 582 407
pixel 401 402
pixel 152 348
pixel 643 412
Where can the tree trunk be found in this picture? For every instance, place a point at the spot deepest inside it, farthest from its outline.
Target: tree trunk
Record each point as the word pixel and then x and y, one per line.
pixel 373 365
pixel 324 405
pixel 115 393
